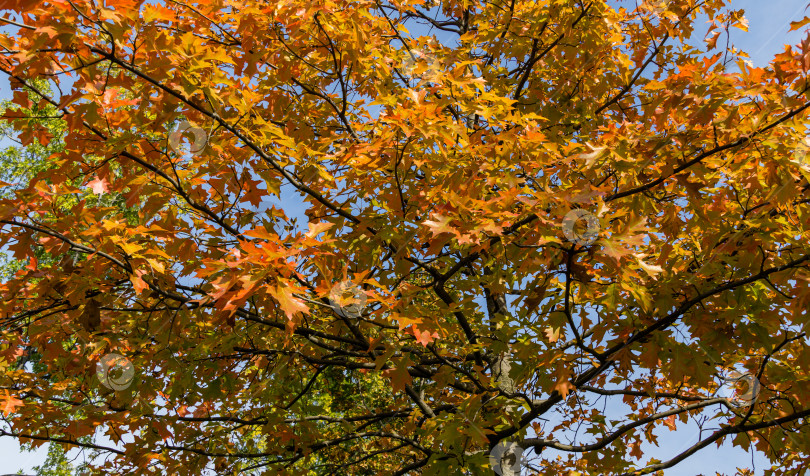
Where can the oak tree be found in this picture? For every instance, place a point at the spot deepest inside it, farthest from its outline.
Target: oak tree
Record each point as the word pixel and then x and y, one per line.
pixel 403 237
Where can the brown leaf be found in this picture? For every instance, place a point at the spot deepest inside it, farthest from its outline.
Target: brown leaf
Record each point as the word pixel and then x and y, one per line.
pixel 534 299
pixel 91 316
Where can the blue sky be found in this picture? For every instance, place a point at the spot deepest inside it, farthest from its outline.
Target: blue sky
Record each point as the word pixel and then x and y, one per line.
pixel 768 24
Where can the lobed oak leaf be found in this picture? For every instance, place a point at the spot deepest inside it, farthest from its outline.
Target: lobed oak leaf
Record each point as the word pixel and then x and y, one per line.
pixel 564 387
pixel 399 377
pixel 614 250
pixel 137 282
pixel 19 5
pixel 425 337
pixel 440 225
pixel 652 270
pixel 288 302
pixel 795 25
pixel 316 229
pixel 635 450
pixel 10 403
pixel 90 318
pixel 99 186
pixel 591 157
pixel 130 248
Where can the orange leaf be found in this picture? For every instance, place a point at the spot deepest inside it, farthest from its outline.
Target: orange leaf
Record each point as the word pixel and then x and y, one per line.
pixel 425 337
pixel 795 25
pixel 440 225
pixel 137 283
pixel 289 303
pixel 10 403
pixel 564 387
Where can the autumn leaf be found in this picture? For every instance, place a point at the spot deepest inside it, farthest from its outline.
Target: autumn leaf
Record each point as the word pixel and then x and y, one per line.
pixel 439 185
pixel 98 186
pixel 564 387
pixel 90 318
pixel 316 229
pixel 138 284
pixel 615 249
pixel 399 377
pixel 424 337
pixel 591 157
pixel 651 270
pixel 289 304
pixel 635 450
pixel 441 224
pixel 10 403
pixel 795 25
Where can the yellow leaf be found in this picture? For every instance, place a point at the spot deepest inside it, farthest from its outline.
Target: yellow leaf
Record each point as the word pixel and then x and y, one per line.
pixel 156 265
pixel 130 248
pixel 650 269
pixel 316 229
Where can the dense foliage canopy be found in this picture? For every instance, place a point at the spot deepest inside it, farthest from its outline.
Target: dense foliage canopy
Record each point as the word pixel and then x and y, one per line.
pixel 402 237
